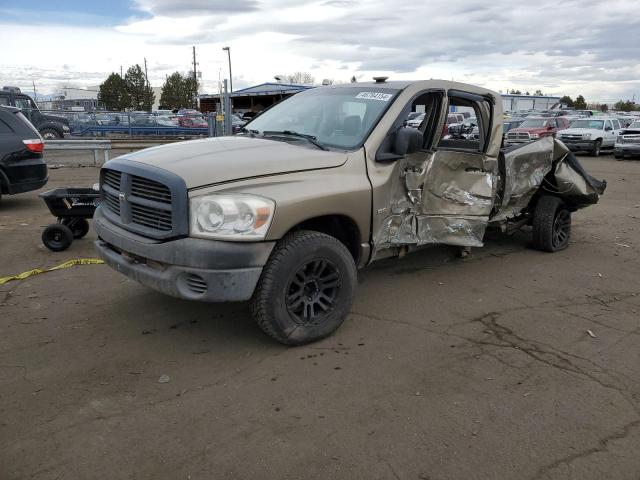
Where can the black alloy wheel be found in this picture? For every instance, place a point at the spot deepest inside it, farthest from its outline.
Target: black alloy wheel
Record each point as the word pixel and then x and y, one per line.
pixel 313 291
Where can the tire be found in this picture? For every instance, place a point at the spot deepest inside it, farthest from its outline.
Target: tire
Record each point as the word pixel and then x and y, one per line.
pixel 79 226
pixel 57 237
pixel 596 148
pixel 551 225
pixel 306 289
pixel 50 134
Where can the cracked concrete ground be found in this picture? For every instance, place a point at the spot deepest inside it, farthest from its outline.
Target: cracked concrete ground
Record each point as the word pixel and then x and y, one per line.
pixel 445 369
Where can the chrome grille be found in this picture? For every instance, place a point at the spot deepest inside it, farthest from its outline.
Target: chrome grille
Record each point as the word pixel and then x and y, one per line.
pixel 112 202
pixel 112 178
pixel 518 136
pixel 571 136
pixel 151 217
pixel 150 190
pixel 154 206
pixel 630 139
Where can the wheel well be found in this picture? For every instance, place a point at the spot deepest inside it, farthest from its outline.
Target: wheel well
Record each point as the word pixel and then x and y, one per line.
pixel 341 227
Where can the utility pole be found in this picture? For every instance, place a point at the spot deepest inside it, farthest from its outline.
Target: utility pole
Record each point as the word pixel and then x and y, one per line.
pixel 195 80
pixel 146 77
pixel 35 96
pixel 121 76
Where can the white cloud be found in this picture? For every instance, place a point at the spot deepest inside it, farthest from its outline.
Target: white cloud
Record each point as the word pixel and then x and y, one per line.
pixel 575 47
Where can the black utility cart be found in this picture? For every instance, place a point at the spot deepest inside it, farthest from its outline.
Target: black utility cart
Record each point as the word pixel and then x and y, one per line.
pixel 73 207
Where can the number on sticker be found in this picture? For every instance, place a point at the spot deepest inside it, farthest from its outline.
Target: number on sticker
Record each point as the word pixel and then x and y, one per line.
pixel 383 97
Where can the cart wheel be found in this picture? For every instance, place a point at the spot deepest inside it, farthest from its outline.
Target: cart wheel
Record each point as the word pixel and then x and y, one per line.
pixel 57 237
pixel 79 226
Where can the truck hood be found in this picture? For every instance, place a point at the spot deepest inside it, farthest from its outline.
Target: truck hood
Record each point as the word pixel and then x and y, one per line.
pixel 224 159
pixel 580 131
pixel 55 118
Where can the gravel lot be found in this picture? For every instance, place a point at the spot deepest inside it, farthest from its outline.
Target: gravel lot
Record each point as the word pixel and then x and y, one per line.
pixel 481 368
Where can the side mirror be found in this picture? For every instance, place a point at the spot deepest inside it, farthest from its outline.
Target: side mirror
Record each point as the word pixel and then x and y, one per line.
pixel 408 140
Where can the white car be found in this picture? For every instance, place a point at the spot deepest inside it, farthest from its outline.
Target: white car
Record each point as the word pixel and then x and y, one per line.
pixel 628 142
pixel 590 134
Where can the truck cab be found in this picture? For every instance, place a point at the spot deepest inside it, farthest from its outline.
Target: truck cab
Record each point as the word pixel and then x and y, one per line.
pixel 50 127
pixel 323 183
pixel 534 128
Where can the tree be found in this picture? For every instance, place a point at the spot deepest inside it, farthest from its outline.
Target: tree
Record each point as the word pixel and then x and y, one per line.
pixel 580 103
pixel 527 93
pixel 140 93
pixel 177 91
pixel 113 93
pixel 300 77
pixel 354 79
pixel 604 107
pixel 623 106
pixel 538 93
pixel 567 100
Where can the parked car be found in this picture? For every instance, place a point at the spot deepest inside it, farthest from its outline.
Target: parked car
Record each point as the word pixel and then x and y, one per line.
pixel 192 121
pixel 285 213
pixel 535 128
pixel 50 127
pixel 22 166
pixel 591 134
pixel 415 119
pixel 508 125
pixel 628 142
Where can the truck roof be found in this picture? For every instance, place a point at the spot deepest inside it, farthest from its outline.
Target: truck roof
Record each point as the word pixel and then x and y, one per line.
pixel 426 84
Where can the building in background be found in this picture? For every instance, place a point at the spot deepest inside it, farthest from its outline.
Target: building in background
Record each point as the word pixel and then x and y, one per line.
pixel 254 99
pixel 74 99
pixel 514 103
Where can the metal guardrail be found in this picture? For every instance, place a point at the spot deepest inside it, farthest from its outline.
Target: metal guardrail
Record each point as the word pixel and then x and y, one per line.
pixel 94 145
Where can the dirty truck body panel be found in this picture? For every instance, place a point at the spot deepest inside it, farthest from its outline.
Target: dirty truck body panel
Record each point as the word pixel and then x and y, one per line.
pixel 216 219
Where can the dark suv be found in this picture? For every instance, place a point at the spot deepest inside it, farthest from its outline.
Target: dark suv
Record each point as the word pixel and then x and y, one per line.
pixel 22 167
pixel 51 127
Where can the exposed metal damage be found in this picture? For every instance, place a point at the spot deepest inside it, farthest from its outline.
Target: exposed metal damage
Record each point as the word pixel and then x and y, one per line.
pixel 447 199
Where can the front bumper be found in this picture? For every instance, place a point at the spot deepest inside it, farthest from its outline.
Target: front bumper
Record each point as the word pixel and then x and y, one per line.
pixel 580 145
pixel 631 150
pixel 189 268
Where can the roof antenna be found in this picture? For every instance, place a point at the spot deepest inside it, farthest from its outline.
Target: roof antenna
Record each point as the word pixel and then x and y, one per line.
pixel 380 79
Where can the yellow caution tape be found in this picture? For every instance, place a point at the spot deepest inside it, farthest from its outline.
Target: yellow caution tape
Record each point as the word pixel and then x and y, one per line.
pixel 38 271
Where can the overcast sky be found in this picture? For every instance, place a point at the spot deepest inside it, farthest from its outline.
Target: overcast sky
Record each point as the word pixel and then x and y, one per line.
pixel 589 47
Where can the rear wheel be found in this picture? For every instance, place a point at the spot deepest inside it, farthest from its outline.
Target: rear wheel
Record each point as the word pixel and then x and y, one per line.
pixel 57 237
pixel 551 225
pixel 306 289
pixel 79 226
pixel 596 148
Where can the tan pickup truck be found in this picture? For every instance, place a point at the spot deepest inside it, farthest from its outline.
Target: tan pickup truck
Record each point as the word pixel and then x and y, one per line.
pixel 322 184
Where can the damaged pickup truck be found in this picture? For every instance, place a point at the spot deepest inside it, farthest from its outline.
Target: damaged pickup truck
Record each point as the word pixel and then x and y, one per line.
pixel 321 184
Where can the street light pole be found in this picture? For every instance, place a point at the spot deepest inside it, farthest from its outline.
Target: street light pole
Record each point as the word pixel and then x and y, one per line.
pixel 228 49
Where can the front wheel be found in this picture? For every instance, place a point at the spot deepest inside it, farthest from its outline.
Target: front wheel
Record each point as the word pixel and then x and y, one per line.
pixel 306 288
pixel 551 224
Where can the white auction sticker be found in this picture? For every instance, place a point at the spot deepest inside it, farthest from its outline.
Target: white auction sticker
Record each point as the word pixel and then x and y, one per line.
pixel 383 97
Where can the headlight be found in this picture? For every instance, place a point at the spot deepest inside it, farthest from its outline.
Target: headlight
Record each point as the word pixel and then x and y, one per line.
pixel 586 136
pixel 534 135
pixel 231 217
pixel 65 128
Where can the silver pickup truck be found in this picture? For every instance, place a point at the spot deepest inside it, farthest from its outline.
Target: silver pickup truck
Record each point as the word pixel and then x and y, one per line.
pixel 322 184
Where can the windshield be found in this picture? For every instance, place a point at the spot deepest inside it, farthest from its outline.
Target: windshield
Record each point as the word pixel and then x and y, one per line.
pixel 593 124
pixel 635 124
pixel 534 123
pixel 339 117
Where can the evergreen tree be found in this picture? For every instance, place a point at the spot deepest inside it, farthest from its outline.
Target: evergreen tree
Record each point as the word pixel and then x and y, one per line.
pixel 580 103
pixel 567 100
pixel 177 92
pixel 113 93
pixel 140 93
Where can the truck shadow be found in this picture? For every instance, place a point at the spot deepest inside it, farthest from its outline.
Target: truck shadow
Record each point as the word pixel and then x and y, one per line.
pixel 205 327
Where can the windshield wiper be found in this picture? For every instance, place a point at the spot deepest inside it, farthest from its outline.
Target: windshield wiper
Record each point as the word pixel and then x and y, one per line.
pixel 251 132
pixel 310 138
